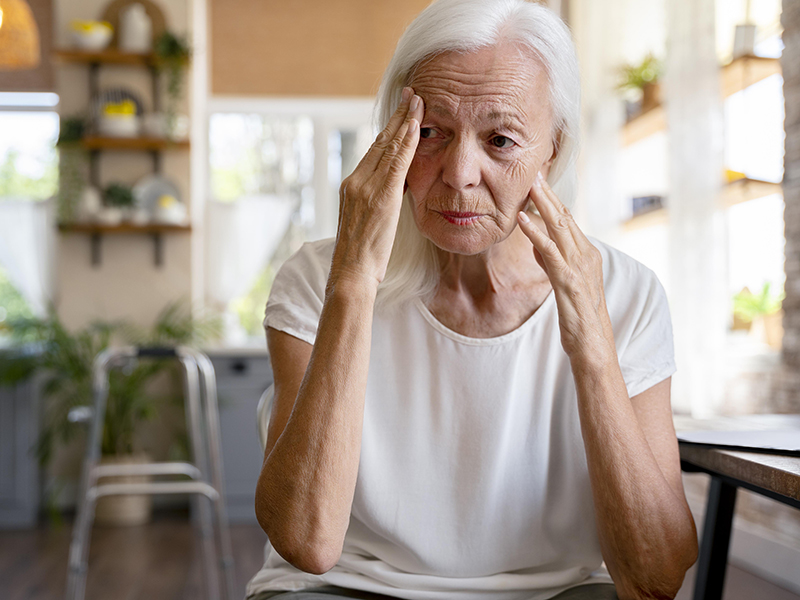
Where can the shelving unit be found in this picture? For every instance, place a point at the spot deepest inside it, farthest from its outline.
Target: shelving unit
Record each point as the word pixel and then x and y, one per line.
pixel 733 193
pixel 96 144
pixel 735 77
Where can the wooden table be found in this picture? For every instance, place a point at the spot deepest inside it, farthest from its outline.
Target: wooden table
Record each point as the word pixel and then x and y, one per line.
pixel 772 475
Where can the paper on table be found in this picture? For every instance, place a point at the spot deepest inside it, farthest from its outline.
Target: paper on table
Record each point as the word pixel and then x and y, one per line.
pixel 780 441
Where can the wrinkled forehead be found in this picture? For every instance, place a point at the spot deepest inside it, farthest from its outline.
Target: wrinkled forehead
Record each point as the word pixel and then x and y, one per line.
pixel 504 79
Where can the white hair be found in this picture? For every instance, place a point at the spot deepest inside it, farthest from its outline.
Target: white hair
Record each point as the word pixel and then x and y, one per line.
pixel 466 26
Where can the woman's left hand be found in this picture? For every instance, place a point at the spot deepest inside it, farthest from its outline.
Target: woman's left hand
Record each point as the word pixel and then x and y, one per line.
pixel 575 269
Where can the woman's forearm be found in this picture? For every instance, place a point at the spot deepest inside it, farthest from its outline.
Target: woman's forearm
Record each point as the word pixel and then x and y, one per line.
pixel 306 487
pixel 646 531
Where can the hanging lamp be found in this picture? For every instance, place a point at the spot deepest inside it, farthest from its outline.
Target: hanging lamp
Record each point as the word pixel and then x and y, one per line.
pixel 19 36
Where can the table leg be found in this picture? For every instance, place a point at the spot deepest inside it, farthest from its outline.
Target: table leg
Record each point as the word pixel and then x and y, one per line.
pixel 716 537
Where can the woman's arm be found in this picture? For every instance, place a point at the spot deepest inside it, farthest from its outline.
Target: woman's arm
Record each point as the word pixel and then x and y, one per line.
pixel 646 530
pixel 305 491
pixel 647 533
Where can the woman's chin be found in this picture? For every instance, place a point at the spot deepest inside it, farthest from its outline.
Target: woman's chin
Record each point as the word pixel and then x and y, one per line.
pixel 460 241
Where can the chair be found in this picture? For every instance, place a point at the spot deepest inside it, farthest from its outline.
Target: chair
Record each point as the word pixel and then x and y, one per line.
pixel 205 472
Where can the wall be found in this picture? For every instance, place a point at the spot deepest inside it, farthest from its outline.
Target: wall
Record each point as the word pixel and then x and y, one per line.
pixel 126 284
pixel 787 391
pixel 304 47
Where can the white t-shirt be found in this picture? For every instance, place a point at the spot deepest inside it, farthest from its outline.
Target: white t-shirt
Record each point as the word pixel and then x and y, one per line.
pixel 473 481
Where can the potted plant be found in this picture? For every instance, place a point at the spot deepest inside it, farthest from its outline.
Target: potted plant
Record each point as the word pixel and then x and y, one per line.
pixel 761 313
pixel 172 58
pixel 72 165
pixel 118 202
pixel 65 361
pixel 643 80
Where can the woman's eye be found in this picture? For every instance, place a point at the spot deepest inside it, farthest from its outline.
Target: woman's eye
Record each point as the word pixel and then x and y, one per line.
pixel 426 132
pixel 501 141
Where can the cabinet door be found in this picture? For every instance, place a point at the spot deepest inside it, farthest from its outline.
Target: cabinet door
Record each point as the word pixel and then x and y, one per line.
pixel 19 469
pixel 241 380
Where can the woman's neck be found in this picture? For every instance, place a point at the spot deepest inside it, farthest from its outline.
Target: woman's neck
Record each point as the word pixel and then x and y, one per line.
pixel 491 293
pixel 505 266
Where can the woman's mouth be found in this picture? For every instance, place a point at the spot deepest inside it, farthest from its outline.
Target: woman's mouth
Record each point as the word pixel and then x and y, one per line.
pixel 460 218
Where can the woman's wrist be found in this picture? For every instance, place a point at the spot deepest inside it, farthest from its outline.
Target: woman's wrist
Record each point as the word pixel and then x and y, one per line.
pixel 351 286
pixel 596 354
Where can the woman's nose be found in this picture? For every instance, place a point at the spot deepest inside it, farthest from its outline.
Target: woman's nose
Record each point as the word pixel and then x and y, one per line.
pixel 461 165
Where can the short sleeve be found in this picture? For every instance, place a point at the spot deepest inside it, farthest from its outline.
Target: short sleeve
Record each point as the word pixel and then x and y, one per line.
pixel 649 357
pixel 298 291
pixel 641 321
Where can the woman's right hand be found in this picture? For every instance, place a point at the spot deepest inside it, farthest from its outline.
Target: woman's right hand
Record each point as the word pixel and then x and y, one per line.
pixel 370 198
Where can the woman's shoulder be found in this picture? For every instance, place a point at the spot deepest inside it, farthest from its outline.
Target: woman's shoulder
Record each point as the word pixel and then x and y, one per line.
pixel 621 269
pixel 630 287
pixel 309 265
pixel 312 255
pixel 298 291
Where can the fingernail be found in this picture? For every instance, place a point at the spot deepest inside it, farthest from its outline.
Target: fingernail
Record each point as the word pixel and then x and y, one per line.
pixel 412 126
pixel 415 102
pixel 539 177
pixel 406 94
pixel 523 217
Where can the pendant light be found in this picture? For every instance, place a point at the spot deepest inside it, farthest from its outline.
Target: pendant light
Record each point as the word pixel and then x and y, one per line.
pixel 19 36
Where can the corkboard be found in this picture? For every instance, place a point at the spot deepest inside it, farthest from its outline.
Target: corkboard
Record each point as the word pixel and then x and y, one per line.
pixel 304 47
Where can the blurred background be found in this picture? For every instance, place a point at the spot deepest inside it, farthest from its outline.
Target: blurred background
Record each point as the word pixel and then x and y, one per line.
pixel 159 159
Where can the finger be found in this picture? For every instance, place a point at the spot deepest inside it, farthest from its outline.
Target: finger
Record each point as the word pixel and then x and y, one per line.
pixel 577 232
pixel 558 220
pixel 398 167
pixel 389 133
pixel 552 260
pixel 394 146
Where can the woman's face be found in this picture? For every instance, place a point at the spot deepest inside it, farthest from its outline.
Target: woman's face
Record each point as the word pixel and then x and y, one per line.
pixel 486 132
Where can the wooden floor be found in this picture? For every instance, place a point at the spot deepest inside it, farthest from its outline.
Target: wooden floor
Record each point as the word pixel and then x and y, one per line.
pixel 160 561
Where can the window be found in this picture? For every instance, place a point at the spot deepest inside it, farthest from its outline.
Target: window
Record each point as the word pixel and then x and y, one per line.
pixel 28 157
pixel 28 178
pixel 274 173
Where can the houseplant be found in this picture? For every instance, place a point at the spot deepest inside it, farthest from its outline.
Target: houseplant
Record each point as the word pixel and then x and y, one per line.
pixel 118 202
pixel 172 58
pixel 760 313
pixel 72 166
pixel 643 80
pixel 65 359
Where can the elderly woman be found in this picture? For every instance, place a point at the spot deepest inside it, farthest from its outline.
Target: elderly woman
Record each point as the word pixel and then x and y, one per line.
pixel 472 398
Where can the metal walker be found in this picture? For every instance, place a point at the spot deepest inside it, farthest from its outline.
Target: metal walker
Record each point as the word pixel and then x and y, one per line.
pixel 205 473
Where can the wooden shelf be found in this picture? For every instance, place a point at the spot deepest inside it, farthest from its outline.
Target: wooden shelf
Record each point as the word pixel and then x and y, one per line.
pixel 746 189
pixel 644 125
pixel 732 193
pixel 107 57
pixel 123 228
pixel 648 219
pixel 734 77
pixel 133 143
pixel 96 231
pixel 743 72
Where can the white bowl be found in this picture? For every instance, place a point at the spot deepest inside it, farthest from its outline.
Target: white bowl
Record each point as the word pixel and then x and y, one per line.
pixel 119 126
pixel 93 37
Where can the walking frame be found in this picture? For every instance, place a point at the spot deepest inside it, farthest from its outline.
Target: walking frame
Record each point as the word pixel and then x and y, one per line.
pixel 205 472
